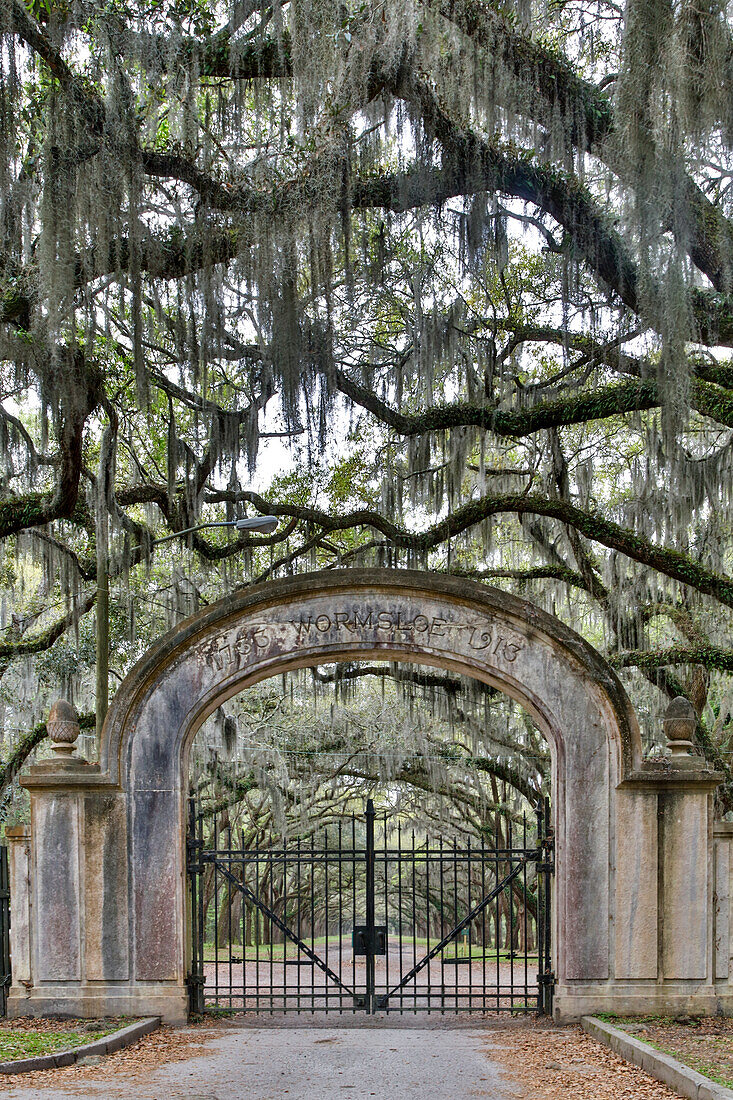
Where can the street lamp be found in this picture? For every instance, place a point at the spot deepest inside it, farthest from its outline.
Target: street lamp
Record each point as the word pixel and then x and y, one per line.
pixel 264 524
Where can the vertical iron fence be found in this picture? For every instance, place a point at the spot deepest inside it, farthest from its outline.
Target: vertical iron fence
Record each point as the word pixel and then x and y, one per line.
pixel 5 975
pixel 362 916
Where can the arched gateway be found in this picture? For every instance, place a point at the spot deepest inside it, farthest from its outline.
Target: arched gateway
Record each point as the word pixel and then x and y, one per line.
pixel 99 880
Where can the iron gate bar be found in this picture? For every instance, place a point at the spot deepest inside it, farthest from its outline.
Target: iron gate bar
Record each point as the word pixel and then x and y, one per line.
pixel 251 896
pixel 297 881
pixel 455 931
pixel 5 962
pixel 196 979
pixel 545 870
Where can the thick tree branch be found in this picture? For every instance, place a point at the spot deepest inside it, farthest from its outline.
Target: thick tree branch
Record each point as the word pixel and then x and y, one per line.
pixel 548 88
pixel 25 747
pixel 709 656
pixel 533 573
pixel 450 685
pixel 40 642
pixel 576 408
pixel 671 563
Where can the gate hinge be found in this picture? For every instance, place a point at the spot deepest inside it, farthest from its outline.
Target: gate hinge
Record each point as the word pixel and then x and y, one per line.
pixel 548 978
pixel 193 846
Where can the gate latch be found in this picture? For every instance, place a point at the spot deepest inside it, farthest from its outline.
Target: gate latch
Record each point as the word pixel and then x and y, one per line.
pixel 360 940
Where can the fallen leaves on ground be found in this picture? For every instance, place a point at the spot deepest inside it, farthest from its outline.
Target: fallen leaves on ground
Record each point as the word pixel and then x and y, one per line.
pixel 547 1062
pixel 704 1043
pixel 138 1061
pixel 66 1023
pixel 565 1062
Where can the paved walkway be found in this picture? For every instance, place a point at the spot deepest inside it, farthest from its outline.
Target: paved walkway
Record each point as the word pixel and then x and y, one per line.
pixel 392 1063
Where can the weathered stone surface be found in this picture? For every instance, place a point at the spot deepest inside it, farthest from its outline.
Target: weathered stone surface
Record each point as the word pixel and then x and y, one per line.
pixel 157 876
pixel 18 839
pixel 722 854
pixel 584 805
pixel 503 641
pixel 681 1078
pixel 680 721
pixel 62 724
pixel 127 1035
pixel 685 874
pixel 636 915
pixel 89 1054
pixel 57 945
pixel 106 925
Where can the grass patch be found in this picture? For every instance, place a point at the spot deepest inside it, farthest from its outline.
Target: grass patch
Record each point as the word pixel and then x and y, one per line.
pixel 701 1064
pixel 16 1043
pixel 276 952
pixel 705 1044
pixel 634 1021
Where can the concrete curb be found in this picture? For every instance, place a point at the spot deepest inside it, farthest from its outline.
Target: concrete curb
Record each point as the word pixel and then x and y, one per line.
pixel 687 1082
pixel 116 1040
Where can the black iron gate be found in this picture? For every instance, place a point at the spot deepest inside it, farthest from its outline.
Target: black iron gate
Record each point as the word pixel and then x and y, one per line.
pixel 5 974
pixel 366 916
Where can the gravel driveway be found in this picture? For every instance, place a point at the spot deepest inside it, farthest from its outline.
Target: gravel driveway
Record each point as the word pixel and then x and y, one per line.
pixel 394 1060
pixel 307 1064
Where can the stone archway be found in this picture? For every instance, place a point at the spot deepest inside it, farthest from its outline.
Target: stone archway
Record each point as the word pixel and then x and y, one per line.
pixel 107 926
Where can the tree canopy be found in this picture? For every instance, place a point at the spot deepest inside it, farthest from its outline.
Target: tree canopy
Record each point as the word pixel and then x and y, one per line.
pixel 440 283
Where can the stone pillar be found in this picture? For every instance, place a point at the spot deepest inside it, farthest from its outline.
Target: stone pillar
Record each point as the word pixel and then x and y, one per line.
pixel 19 863
pixel 722 909
pixel 70 894
pixel 636 918
pixel 49 926
pixel 686 887
pixel 56 836
pixel 685 851
pixel 665 878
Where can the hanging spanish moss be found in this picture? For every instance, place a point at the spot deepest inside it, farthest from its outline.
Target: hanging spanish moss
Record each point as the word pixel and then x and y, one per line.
pixel 440 285
pixel 429 746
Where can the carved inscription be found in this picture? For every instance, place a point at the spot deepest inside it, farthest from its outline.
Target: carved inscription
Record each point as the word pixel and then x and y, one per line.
pixel 222 654
pixel 383 622
pixel 495 642
pixel 420 628
pixel 368 624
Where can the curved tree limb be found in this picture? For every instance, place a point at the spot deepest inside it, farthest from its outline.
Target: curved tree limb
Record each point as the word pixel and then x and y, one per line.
pixel 672 563
pixel 10 769
pixel 709 656
pixel 551 89
pixel 40 642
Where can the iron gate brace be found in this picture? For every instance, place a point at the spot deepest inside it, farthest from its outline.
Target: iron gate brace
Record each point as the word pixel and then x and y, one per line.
pixel 263 908
pixel 369 939
pixel 381 1002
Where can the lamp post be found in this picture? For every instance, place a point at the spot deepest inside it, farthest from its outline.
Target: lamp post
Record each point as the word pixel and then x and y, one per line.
pixel 102 626
pixel 264 524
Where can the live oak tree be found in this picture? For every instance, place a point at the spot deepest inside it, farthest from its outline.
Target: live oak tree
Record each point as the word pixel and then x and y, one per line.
pixel 445 748
pixel 290 761
pixel 470 262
